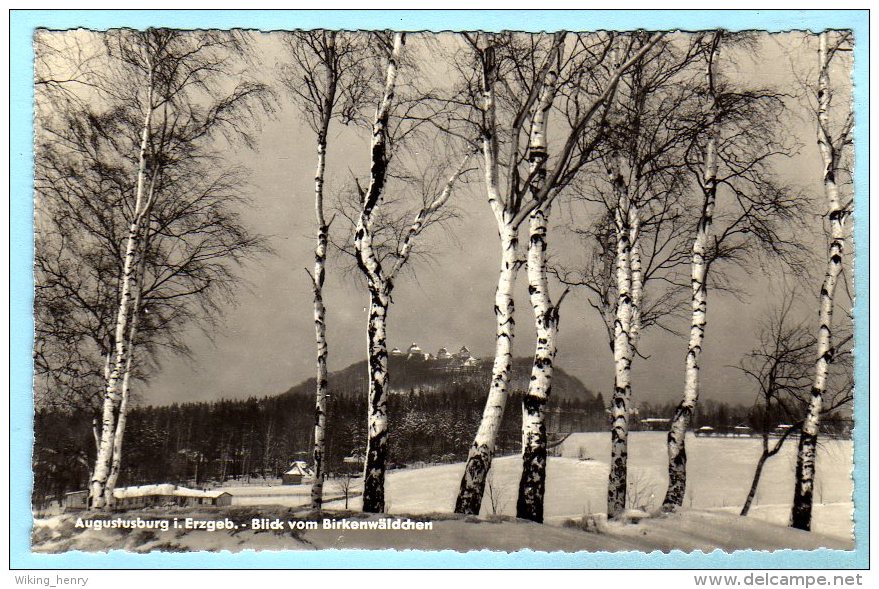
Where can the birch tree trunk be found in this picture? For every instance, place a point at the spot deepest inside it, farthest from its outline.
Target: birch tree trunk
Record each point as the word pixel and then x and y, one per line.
pixel 377 424
pixel 801 512
pixel 116 463
pixel 752 492
pixel 111 394
pixel 637 272
pixel 379 298
pixel 677 453
pixel 622 351
pixel 532 484
pixel 380 286
pixel 472 488
pixel 320 328
pixel 121 419
pixel 479 458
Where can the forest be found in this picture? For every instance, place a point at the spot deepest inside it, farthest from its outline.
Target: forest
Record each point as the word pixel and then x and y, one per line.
pixel 624 175
pixel 256 439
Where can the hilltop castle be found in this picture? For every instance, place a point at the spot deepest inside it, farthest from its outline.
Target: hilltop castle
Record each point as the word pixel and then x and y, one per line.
pixel 463 356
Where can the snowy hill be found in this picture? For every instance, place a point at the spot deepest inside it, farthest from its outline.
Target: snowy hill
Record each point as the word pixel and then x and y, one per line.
pixel 415 373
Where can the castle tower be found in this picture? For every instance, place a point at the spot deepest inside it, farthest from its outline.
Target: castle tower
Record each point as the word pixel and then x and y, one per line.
pixel 415 352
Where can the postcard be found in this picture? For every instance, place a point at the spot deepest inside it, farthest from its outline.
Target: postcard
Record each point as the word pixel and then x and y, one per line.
pixel 581 283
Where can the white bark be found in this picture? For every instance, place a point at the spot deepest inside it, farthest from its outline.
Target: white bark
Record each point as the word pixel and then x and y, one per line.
pixel 479 458
pixel 622 348
pixel 830 147
pixel 324 105
pixel 112 396
pixel 121 419
pixel 481 452
pixel 532 483
pixel 320 328
pixel 677 454
pixel 636 272
pixel 122 414
pixel 509 216
pixel 377 421
pixel 379 292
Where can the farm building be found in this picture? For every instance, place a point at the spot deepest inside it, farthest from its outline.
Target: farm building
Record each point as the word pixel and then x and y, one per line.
pixel 655 424
pixel 297 474
pixel 160 495
pixel 353 462
pixel 76 500
pixel 223 499
pixel 192 497
pixel 164 495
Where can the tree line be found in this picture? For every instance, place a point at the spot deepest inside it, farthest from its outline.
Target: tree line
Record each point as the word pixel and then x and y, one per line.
pixel 198 443
pixel 255 439
pixel 665 159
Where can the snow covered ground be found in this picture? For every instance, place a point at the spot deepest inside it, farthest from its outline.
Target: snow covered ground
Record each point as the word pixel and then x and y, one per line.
pixel 690 530
pixel 720 472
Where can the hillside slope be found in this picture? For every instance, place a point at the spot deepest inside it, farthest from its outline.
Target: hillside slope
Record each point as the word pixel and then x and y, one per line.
pixel 435 375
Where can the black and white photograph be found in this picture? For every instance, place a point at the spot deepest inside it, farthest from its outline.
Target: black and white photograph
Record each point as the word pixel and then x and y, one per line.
pixel 577 290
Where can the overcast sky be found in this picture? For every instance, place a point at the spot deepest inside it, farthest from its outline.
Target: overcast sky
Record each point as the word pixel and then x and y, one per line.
pixel 267 343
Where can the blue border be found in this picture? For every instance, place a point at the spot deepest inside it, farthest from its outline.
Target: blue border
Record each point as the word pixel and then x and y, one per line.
pixel 22 23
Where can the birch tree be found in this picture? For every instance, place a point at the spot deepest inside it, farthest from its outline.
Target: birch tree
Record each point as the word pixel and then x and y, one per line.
pixel 382 247
pixel 780 368
pixel 505 76
pixel 644 181
pixel 834 143
pixel 164 88
pixel 192 246
pixel 122 412
pixel 732 153
pixel 329 81
pixel 635 227
pixel 532 483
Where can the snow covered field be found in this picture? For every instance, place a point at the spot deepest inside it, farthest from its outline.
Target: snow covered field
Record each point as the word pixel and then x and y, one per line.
pixel 720 469
pixel 720 475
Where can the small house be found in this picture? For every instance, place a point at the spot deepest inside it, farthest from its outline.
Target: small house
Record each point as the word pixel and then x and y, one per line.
pixel 195 497
pixel 160 495
pixel 223 499
pixel 781 429
pixel 296 475
pixel 655 423
pixel 76 500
